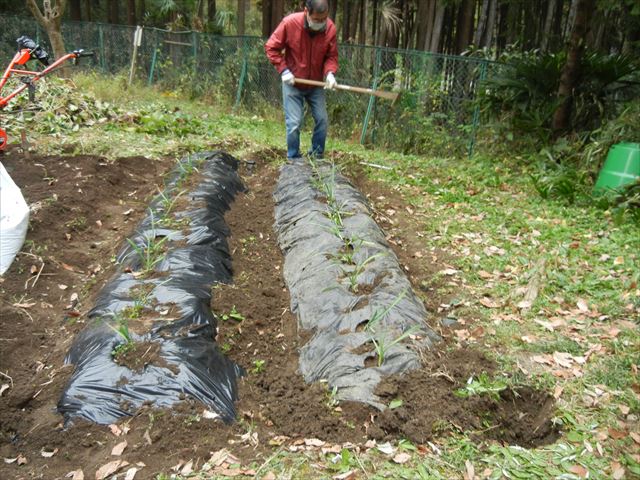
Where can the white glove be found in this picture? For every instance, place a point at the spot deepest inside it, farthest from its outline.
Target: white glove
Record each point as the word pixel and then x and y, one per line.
pixel 331 81
pixel 287 77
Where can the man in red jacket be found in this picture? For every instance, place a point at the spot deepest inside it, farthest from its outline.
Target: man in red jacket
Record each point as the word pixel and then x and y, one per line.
pixel 304 45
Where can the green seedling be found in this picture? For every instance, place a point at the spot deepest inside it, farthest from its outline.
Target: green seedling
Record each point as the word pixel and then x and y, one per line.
pixel 483 385
pixel 233 315
pixel 150 253
pixel 335 230
pixel 332 397
pixel 167 204
pixel 336 213
pixel 397 403
pixel 122 329
pixel 353 274
pixel 258 366
pixel 382 344
pixel 378 314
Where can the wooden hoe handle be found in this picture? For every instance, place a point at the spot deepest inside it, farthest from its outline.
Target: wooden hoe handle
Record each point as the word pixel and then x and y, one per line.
pixel 348 88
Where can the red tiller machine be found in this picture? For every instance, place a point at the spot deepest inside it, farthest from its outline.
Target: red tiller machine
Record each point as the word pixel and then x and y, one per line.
pixel 29 50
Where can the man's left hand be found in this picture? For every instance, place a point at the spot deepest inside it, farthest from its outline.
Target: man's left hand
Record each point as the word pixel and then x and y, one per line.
pixel 330 81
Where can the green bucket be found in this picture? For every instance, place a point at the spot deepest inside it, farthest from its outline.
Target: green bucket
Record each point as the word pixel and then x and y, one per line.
pixel 621 167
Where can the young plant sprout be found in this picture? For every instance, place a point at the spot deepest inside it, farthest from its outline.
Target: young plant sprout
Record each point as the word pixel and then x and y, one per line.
pixel 150 253
pixel 352 275
pixel 378 314
pixel 122 329
pixel 382 344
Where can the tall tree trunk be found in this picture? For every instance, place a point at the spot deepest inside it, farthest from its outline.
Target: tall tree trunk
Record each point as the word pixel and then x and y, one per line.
pixel 211 12
pixel 131 12
pixel 431 18
pixel 375 33
pixel 113 11
pixel 241 16
pixel 354 11
pixel 141 12
pixel 482 23
pixel 50 18
pixel 570 21
pixel 74 10
pixel 501 38
pixel 548 23
pixel 346 21
pixel 277 13
pixel 267 10
pixel 464 25
pixel 487 37
pixel 571 71
pixel 513 23
pixel 333 9
pixel 87 10
pixel 362 33
pixel 436 34
pixel 422 24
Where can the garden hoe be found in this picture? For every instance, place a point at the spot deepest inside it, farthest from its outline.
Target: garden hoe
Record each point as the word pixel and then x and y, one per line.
pixel 393 96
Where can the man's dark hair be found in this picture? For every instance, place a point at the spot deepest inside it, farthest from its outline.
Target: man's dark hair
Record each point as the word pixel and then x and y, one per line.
pixel 317 6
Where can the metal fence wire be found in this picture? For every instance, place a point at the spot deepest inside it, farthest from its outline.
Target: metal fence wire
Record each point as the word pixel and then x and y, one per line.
pixel 435 112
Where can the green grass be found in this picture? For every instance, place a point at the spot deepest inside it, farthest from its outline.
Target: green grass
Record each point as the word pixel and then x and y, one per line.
pixel 487 219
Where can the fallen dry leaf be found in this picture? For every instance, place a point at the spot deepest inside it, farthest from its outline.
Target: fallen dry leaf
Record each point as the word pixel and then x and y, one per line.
pixel 580 471
pixel 22 460
pixel 617 471
pixel 449 271
pixel 46 454
pixel 62 286
pixel 635 436
pixel 115 429
pixel 147 437
pixel 313 442
pixel 617 434
pixel 582 305
pixel 110 468
pixel 557 392
pixel 187 469
pixel 119 448
pixel 5 386
pixel 524 305
pixel 470 473
pixel 269 476
pixel 401 458
pixel 75 475
pixel 131 473
pixel 350 475
pixel 489 303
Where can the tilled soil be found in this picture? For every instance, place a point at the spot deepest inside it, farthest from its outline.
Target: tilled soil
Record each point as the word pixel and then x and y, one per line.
pixel 86 207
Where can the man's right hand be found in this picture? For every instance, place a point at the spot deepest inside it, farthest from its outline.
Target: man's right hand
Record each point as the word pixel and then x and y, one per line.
pixel 287 77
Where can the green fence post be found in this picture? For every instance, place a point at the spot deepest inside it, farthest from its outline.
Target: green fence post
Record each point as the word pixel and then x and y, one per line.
pixel 103 64
pixel 194 42
pixel 153 61
pixel 372 98
pixel 243 74
pixel 476 110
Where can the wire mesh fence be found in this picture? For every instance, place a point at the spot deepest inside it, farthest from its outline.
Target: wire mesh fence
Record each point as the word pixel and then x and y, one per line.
pixel 435 112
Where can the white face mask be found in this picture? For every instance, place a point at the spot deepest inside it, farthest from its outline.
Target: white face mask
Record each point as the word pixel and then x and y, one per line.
pixel 316 26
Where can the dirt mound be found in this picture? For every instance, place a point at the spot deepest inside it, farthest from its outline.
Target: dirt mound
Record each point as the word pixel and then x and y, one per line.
pixel 431 405
pixel 87 206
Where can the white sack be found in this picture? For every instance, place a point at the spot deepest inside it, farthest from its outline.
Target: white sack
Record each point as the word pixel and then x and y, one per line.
pixel 14 220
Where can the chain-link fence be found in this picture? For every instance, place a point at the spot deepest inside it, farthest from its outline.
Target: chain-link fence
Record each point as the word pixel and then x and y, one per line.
pixel 435 112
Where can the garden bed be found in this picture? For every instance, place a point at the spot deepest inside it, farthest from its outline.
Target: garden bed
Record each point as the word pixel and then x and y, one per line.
pixel 88 206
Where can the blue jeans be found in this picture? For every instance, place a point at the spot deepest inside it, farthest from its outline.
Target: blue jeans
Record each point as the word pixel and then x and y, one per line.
pixel 293 102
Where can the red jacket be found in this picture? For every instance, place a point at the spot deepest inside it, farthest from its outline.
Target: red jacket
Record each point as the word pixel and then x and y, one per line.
pixel 292 46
